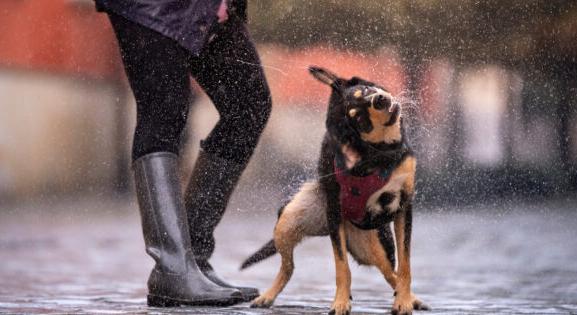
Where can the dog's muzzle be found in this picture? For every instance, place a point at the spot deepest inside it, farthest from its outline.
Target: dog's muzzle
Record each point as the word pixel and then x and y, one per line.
pixel 380 100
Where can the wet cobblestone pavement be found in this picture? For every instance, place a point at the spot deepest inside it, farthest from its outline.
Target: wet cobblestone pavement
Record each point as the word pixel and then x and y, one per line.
pixel 87 257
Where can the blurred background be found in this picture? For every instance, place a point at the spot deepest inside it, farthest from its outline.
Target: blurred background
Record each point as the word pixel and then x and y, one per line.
pixel 492 84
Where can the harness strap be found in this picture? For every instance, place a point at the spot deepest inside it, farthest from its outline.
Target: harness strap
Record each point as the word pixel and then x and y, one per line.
pixel 355 191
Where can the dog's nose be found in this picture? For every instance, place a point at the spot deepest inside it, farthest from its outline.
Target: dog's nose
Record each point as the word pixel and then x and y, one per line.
pixel 380 101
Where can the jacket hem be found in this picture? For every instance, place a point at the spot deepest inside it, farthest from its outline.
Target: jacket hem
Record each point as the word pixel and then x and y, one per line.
pixel 194 47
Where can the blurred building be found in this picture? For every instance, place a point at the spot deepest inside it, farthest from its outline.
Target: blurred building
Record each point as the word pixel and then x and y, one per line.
pixel 66 114
pixel 60 98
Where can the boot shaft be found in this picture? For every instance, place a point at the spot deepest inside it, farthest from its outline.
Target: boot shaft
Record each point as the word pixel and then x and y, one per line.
pixel 211 185
pixel 164 221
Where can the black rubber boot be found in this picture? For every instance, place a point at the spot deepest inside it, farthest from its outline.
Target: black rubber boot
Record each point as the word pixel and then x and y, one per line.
pixel 176 279
pixel 211 184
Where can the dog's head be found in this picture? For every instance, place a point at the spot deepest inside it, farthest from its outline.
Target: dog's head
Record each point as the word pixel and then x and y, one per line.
pixel 360 105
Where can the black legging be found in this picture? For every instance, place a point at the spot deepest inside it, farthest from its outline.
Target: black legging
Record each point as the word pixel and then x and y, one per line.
pixel 229 71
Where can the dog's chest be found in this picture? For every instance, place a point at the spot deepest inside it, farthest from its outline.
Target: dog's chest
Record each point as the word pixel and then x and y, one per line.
pixel 363 197
pixel 355 193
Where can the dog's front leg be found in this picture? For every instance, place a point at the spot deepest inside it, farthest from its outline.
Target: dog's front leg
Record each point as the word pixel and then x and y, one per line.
pixel 341 304
pixel 405 300
pixel 403 226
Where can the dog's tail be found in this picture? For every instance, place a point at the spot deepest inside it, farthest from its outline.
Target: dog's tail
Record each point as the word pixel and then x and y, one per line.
pixel 263 253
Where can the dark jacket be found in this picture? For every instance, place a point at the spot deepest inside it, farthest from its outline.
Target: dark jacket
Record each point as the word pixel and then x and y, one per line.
pixel 189 22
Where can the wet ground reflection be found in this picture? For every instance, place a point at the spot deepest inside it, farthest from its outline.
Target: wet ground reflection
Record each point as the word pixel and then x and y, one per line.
pixel 87 257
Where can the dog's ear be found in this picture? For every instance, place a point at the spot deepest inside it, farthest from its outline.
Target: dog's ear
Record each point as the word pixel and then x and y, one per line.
pixel 324 76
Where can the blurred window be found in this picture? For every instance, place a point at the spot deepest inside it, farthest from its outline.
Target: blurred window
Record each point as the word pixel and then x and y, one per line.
pixel 534 125
pixel 483 105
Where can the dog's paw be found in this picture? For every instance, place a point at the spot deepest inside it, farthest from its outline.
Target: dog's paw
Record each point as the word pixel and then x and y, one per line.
pixel 418 304
pixel 262 301
pixel 405 306
pixel 341 308
pixel 402 306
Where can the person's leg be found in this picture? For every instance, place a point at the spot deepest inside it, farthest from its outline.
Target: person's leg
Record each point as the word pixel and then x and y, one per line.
pixel 157 71
pixel 229 71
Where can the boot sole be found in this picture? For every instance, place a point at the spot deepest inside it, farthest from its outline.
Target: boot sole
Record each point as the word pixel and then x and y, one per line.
pixel 250 297
pixel 161 301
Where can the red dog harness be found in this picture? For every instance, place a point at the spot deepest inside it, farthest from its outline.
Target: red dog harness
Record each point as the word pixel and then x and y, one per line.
pixel 356 191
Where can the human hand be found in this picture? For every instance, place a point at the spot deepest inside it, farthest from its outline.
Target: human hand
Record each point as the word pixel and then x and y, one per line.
pixel 222 12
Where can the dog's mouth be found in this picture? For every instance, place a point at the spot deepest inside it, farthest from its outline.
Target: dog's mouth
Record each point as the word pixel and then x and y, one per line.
pixel 383 101
pixel 379 99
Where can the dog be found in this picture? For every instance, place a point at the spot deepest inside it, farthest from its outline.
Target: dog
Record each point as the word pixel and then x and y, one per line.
pixel 366 179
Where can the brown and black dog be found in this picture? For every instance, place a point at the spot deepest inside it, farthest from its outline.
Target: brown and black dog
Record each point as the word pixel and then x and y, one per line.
pixel 366 177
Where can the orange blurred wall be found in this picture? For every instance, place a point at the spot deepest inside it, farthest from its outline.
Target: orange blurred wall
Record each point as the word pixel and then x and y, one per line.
pixel 57 116
pixel 62 36
pixel 291 83
pixel 70 37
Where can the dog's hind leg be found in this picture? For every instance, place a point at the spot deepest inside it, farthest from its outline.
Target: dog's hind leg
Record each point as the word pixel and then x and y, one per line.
pixel 286 239
pixel 303 216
